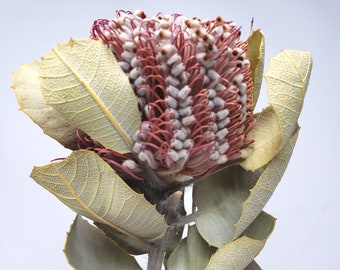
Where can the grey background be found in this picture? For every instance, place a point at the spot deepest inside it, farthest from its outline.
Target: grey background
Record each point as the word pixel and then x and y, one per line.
pixel 33 223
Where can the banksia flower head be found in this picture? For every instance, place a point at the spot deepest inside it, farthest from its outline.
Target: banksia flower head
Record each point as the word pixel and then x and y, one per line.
pixel 193 84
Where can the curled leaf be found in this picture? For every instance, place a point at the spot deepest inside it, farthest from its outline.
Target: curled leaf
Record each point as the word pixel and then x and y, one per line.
pixel 82 80
pixel 27 88
pixel 219 200
pixel 91 188
pixel 255 53
pixel 225 205
pixel 265 185
pixel 130 244
pixel 267 140
pixel 238 254
pixel 87 248
pixel 253 266
pixel 287 80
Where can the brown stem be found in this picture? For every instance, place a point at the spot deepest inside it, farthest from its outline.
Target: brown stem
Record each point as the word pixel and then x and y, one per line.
pixel 156 253
pixel 183 220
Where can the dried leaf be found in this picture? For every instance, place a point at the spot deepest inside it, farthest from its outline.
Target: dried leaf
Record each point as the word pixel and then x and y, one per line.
pixel 82 80
pixel 131 245
pixel 88 249
pixel 91 188
pixel 192 253
pixel 253 266
pixel 267 138
pixel 265 185
pixel 225 205
pixel 287 80
pixel 219 200
pixel 255 53
pixel 238 254
pixel 27 88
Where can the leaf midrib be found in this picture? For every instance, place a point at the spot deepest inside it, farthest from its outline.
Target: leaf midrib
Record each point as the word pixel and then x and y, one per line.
pixel 128 141
pixel 93 214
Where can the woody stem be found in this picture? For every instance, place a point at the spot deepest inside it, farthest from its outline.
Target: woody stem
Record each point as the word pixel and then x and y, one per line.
pixel 156 253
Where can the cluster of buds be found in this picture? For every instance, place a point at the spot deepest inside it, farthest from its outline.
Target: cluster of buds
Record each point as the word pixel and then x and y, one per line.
pixel 193 82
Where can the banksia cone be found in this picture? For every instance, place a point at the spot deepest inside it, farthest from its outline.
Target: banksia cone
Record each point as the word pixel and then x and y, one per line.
pixel 193 82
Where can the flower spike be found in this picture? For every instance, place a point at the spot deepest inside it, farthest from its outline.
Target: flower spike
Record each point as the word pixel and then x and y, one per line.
pixel 193 82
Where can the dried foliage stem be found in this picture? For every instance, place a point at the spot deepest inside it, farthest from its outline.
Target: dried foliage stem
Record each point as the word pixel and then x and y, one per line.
pixel 184 220
pixel 156 253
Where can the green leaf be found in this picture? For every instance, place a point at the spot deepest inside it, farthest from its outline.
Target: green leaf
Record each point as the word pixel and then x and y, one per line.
pixel 88 249
pixel 91 188
pixel 287 80
pixel 238 254
pixel 131 245
pixel 225 205
pixel 219 200
pixel 265 185
pixel 255 53
pixel 27 88
pixel 192 253
pixel 82 80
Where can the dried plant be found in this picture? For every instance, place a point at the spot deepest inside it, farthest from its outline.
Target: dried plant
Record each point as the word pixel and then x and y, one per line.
pixel 149 106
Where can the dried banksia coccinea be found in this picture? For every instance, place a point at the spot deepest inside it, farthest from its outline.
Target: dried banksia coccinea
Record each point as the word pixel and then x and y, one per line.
pixel 193 84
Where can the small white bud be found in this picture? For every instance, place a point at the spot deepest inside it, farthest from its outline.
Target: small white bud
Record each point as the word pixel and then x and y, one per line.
pixel 222 114
pixel 130 164
pixel 176 144
pixel 186 102
pixel 175 59
pixel 184 92
pixel 134 73
pixel 188 120
pixel 172 91
pixel 147 156
pixel 176 70
pixel 221 134
pixel 223 148
pixel 218 103
pixel 172 80
pixel 173 155
pixel 137 147
pixel 172 102
pixel 223 123
pixel 188 144
pixel 238 79
pixel 185 111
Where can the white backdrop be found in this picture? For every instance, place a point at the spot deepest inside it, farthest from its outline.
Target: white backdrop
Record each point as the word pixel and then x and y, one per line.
pixel 34 223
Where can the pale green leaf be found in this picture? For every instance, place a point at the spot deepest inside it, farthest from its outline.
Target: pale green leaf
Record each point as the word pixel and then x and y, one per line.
pixel 225 205
pixel 82 80
pixel 91 188
pixel 238 254
pixel 255 53
pixel 219 200
pixel 267 138
pixel 265 185
pixel 87 248
pixel 253 266
pixel 27 88
pixel 287 80
pixel 192 253
pixel 130 244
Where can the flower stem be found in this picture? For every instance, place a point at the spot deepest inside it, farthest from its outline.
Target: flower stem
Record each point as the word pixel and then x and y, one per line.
pixel 156 253
pixel 185 220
